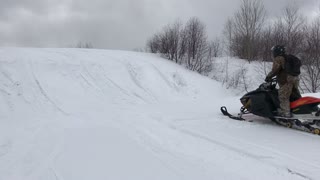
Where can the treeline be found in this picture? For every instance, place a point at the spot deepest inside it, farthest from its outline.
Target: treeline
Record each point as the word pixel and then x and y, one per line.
pixel 187 45
pixel 249 34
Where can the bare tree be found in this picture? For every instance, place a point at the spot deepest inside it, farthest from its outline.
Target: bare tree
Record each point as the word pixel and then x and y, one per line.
pixel 197 46
pixel 167 41
pixel 228 35
pixel 311 57
pixel 215 48
pixel 239 80
pixel 153 44
pixel 278 35
pixel 273 34
pixel 84 45
pixel 186 45
pixel 246 29
pixel 288 29
pixel 182 46
pixel 265 44
pixel 173 32
pixel 261 69
pixel 294 24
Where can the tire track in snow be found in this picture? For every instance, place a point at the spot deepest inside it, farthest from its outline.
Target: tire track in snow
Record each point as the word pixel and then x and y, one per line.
pixel 7 97
pixel 6 93
pixel 298 174
pixel 5 148
pixel 110 82
pixel 43 92
pixel 224 145
pixel 54 156
pixel 85 80
pixel 56 175
pixel 133 76
pixel 13 86
pixel 7 76
pixel 93 80
pixel 259 158
pixel 50 139
pixel 248 154
pixel 32 153
pixel 156 149
pixel 164 78
pixel 143 136
pixel 114 84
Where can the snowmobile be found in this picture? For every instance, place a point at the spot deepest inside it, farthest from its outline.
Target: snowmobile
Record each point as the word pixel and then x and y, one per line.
pixel 264 102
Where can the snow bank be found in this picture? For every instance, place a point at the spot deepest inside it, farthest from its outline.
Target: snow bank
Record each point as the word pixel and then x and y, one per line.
pixel 239 75
pixel 98 114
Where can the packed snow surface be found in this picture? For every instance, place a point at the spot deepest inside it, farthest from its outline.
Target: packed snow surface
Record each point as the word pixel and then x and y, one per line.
pixel 77 114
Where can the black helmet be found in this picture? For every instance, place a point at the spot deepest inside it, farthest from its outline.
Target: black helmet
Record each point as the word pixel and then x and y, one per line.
pixel 278 50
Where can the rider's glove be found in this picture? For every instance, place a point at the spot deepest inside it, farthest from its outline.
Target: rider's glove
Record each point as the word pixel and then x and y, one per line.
pixel 268 79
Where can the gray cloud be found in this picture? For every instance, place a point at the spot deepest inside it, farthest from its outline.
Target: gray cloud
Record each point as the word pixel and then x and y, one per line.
pixel 121 24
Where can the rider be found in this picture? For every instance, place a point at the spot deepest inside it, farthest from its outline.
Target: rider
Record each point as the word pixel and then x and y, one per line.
pixel 288 84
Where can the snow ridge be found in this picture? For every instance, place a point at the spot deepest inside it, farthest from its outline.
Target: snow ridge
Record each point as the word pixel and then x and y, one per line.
pixel 99 114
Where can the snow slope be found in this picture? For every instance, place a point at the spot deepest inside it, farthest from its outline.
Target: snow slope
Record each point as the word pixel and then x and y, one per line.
pixel 73 114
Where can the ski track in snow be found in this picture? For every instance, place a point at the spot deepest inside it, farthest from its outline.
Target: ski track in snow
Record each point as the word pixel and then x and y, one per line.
pixel 249 144
pixel 257 157
pixel 164 78
pixel 134 76
pixel 92 79
pixel 110 82
pixel 260 158
pixel 156 113
pixel 298 174
pixel 43 92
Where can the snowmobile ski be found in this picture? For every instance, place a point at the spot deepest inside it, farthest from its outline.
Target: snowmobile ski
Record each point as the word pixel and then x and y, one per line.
pixel 226 113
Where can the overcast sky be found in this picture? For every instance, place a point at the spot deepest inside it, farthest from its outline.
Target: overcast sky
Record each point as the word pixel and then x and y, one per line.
pixel 114 24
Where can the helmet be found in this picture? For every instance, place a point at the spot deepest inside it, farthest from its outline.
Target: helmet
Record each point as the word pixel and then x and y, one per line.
pixel 278 50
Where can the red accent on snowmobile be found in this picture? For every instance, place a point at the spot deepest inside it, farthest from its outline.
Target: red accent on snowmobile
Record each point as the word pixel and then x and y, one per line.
pixel 304 101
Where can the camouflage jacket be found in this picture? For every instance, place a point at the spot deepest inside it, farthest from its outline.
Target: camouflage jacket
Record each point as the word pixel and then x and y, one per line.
pixel 278 70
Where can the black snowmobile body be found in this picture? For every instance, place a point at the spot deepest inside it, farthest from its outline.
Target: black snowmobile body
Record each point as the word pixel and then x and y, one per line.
pixel 264 102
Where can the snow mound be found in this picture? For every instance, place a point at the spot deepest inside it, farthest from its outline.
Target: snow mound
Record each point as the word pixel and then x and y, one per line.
pixel 99 114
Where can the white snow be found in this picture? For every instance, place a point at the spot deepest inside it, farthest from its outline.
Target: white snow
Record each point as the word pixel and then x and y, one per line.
pixel 78 114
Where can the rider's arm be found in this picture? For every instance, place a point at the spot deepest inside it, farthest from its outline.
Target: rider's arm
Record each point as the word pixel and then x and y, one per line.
pixel 276 67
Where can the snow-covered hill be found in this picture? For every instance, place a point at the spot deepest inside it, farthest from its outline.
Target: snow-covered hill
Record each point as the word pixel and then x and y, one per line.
pixel 76 114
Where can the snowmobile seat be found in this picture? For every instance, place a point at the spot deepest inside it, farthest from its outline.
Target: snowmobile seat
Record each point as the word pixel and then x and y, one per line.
pixel 304 101
pixel 305 105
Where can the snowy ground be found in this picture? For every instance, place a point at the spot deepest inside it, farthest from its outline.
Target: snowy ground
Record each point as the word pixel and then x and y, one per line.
pixel 70 114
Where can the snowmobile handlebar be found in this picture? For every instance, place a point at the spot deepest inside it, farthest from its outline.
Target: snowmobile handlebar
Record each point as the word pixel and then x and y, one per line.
pixel 272 80
pixel 271 84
